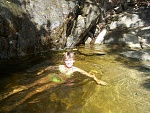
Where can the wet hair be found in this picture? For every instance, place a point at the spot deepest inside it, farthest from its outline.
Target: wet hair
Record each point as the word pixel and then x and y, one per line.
pixel 68 55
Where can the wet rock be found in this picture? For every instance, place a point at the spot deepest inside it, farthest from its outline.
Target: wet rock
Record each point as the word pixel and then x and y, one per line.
pixel 140 55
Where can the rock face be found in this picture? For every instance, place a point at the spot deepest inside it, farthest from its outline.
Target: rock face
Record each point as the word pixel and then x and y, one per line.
pixel 132 29
pixel 31 26
pixel 141 55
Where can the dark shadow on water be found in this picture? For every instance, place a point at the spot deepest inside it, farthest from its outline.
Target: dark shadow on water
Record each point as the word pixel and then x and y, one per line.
pixel 146 83
pixel 13 71
pixel 42 95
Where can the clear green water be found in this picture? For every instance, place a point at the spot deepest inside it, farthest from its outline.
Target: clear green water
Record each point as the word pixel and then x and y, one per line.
pixel 127 90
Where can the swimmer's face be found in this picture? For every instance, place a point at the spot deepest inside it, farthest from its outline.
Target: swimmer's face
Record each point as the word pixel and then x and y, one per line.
pixel 69 63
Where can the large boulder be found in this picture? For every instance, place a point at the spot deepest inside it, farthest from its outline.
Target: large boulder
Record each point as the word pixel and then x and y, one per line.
pixel 31 26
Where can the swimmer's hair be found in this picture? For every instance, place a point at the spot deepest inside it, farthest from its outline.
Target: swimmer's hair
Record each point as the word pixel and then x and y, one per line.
pixel 68 55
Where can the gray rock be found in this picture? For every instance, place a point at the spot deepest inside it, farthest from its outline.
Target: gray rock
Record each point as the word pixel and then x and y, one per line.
pixel 37 25
pixel 140 55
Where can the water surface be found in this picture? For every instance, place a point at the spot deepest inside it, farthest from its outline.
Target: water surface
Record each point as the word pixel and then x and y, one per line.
pixel 127 90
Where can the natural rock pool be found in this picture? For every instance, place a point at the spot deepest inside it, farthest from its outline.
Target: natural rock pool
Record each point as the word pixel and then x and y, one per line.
pixel 127 90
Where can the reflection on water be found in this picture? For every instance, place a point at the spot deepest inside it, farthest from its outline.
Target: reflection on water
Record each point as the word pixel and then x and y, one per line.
pixel 127 91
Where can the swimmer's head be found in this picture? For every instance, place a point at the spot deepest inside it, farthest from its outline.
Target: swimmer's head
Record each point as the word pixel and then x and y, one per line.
pixel 69 59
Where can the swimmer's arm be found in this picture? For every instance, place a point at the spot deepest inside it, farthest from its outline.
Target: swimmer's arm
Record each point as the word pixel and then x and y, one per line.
pixel 91 76
pixel 48 68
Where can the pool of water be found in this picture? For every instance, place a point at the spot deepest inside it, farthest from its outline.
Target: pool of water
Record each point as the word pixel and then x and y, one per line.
pixel 127 90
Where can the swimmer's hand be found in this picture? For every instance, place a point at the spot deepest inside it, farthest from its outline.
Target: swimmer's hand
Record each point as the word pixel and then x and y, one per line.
pixel 40 72
pixel 99 82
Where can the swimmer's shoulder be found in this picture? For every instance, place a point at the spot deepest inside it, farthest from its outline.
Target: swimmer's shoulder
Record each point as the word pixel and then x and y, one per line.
pixel 51 67
pixel 75 69
pixel 61 68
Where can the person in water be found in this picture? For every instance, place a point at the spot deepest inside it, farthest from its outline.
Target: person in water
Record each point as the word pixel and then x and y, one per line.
pixel 68 68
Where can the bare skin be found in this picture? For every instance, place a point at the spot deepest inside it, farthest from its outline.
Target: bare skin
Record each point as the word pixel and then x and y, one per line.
pixel 100 82
pixel 69 71
pixel 68 68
